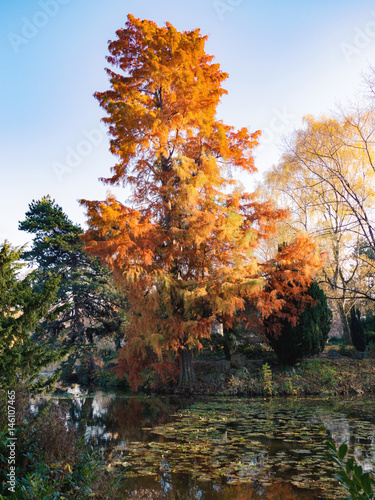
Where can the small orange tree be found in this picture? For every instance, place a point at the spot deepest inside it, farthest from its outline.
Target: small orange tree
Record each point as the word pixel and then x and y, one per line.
pixel 287 277
pixel 183 247
pixel 278 305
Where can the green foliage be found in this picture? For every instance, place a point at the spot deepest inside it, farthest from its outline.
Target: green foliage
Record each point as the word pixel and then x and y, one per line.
pixel 356 330
pixel 233 340
pixel 368 322
pixel 79 368
pixel 370 336
pixel 357 483
pixel 369 327
pixel 371 348
pixel 229 340
pixel 313 376
pixel 86 368
pixel 63 482
pixel 23 304
pixel 212 346
pixel 88 307
pixel 254 351
pixel 309 336
pixel 68 374
pixel 336 341
pixel 348 351
pixel 268 384
pixel 286 386
pixel 107 379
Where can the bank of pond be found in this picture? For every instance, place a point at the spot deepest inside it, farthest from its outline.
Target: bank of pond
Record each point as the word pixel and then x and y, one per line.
pixel 221 448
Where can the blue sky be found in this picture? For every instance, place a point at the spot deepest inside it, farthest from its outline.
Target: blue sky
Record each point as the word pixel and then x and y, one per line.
pixel 285 59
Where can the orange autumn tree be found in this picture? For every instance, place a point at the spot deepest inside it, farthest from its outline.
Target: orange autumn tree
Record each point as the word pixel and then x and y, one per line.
pixel 183 247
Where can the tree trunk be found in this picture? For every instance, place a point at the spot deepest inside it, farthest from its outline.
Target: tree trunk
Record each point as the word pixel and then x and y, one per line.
pixel 187 374
pixel 345 325
pixel 79 323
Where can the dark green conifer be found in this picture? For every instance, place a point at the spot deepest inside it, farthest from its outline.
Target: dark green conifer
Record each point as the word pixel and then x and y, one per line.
pixel 88 306
pixel 309 336
pixel 22 306
pixel 356 330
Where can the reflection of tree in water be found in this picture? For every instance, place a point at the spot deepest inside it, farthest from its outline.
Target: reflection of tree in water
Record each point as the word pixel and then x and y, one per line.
pixel 356 432
pixel 184 487
pixel 131 416
pixel 106 420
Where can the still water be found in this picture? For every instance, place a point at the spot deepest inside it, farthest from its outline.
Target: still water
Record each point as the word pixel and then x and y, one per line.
pixel 209 448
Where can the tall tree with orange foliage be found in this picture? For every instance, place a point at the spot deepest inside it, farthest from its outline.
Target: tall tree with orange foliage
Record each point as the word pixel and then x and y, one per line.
pixel 183 247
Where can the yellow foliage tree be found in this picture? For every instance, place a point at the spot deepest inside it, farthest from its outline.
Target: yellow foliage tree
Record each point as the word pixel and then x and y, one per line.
pixel 325 177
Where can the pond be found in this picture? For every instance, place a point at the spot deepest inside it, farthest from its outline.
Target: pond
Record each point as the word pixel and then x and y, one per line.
pixel 211 448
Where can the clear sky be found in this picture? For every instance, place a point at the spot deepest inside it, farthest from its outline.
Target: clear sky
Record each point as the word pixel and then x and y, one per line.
pixel 285 59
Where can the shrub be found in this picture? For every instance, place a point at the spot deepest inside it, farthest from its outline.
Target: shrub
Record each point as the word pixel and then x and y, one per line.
pixel 368 322
pixel 82 367
pixel 52 461
pixel 107 379
pixel 348 351
pixel 371 348
pixel 268 385
pixel 253 351
pixel 370 336
pixel 336 341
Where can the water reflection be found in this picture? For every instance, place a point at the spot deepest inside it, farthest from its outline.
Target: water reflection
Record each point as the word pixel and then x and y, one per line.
pixel 179 487
pixel 109 419
pixel 235 440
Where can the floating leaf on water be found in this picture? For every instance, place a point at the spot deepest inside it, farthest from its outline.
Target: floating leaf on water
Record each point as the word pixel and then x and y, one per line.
pixel 204 478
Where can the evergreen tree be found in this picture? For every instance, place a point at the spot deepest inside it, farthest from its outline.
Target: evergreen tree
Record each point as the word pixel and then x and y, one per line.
pixel 88 307
pixel 22 305
pixel 356 330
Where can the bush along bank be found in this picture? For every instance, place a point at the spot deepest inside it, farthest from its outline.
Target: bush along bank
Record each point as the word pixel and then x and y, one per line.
pixel 52 461
pixel 313 376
